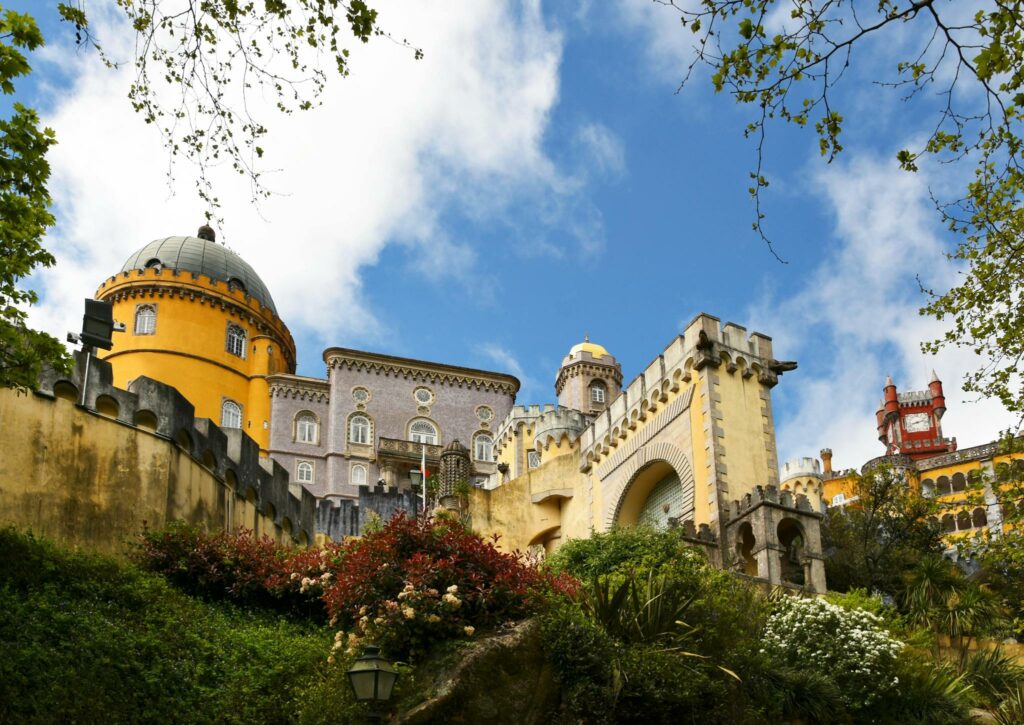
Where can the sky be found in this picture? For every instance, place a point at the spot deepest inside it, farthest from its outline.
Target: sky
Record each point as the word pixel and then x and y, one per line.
pixel 538 176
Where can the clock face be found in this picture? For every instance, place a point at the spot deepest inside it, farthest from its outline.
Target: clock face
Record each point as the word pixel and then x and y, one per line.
pixel 917 422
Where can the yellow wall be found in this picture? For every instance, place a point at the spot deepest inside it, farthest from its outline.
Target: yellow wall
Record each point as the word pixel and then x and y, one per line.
pixel 188 347
pixel 88 481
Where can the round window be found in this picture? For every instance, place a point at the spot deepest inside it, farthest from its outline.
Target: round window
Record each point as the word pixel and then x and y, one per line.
pixel 484 413
pixel 423 396
pixel 360 395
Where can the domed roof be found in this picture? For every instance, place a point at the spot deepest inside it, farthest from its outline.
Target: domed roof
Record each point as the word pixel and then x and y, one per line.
pixel 203 256
pixel 587 346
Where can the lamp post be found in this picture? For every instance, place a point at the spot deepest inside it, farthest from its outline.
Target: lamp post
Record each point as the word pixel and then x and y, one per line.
pixel 372 679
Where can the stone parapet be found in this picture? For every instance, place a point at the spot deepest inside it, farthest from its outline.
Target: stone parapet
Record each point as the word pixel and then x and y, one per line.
pixel 161 410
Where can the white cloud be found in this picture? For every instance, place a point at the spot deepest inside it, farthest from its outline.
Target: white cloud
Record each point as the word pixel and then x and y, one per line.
pixel 392 148
pixel 603 147
pixel 505 361
pixel 668 46
pixel 855 318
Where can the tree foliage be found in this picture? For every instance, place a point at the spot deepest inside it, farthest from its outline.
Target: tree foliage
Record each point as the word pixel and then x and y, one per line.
pixel 199 67
pixel 204 67
pixel 964 65
pixel 24 211
pixel 884 530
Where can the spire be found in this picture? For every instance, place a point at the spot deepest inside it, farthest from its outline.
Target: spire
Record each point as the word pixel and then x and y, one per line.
pixel 935 378
pixel 888 381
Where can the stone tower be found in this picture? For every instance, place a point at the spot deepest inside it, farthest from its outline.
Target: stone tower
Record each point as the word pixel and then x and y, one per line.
pixel 589 378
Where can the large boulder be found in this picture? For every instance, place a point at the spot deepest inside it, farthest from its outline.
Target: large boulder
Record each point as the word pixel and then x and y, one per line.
pixel 502 679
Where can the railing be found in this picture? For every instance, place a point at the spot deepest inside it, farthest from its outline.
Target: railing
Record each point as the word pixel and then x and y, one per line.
pixel 407 449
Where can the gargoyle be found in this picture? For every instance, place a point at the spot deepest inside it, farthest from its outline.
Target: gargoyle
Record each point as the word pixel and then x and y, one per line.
pixel 781 366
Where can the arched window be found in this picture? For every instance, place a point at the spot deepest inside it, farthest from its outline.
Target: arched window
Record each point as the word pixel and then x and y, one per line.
pixel 959 482
pixel 963 520
pixel 306 428
pixel 948 523
pixel 359 429
pixel 979 518
pixel 236 340
pixel 942 485
pixel 483 449
pixel 598 392
pixel 304 472
pixel 230 414
pixel 358 475
pixel 927 488
pixel 145 320
pixel 423 431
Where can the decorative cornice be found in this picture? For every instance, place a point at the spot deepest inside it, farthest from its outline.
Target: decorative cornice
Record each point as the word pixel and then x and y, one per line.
pixel 421 370
pixel 577 368
pixel 299 388
pixel 266 324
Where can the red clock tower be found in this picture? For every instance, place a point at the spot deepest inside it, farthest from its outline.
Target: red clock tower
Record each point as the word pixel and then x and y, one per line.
pixel 910 424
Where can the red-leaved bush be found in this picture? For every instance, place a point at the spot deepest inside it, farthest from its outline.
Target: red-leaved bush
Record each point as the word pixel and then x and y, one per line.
pixel 404 587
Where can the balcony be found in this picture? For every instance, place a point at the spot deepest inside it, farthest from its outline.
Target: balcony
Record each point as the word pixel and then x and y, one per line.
pixel 398 450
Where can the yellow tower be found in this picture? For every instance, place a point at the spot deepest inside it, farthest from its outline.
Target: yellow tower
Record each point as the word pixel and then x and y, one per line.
pixel 199 318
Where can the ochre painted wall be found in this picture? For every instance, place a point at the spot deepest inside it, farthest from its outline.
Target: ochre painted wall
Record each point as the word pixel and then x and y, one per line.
pixel 188 350
pixel 88 481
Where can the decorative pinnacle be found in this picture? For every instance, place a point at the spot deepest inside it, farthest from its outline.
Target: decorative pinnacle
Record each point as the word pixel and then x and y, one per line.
pixel 935 378
pixel 888 381
pixel 206 232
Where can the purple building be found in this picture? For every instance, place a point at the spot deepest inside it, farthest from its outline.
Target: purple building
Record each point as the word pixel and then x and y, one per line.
pixel 374 415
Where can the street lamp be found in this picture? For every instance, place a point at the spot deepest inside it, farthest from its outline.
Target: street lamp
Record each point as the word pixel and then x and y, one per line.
pixel 372 678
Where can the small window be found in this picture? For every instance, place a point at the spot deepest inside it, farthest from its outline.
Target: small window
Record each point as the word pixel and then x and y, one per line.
pixel 483 449
pixel 304 472
pixel 839 498
pixel 236 284
pixel 359 429
pixel 598 392
pixel 423 431
pixel 154 264
pixel 423 396
pixel 230 414
pixel 236 340
pixel 306 428
pixel 358 477
pixel 532 459
pixel 145 320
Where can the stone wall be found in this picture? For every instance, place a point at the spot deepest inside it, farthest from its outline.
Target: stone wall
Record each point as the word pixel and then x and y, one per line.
pixel 93 474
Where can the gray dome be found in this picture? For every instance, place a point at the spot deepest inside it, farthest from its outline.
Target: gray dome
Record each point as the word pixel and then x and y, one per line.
pixel 192 254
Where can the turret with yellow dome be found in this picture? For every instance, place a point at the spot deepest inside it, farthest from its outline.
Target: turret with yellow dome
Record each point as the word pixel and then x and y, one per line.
pixel 589 378
pixel 199 318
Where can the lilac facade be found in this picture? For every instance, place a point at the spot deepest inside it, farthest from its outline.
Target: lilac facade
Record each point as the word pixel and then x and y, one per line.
pixel 376 414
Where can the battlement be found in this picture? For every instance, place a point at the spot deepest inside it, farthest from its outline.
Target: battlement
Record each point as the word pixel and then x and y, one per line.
pixel 805 466
pixel 556 422
pixel 705 342
pixel 770 496
pixel 915 397
pixel 160 410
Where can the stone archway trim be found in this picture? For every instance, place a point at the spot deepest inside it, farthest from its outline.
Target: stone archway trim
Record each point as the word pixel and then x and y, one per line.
pixel 666 452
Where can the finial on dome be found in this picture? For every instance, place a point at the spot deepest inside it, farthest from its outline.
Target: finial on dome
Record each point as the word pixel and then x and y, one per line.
pixel 206 232
pixel 586 337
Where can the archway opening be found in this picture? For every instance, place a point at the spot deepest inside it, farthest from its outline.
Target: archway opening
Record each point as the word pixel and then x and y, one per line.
pixel 653 498
pixel 745 542
pixel 791 538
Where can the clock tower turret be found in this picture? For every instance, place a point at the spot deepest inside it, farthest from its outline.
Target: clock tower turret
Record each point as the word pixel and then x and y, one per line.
pixel 910 423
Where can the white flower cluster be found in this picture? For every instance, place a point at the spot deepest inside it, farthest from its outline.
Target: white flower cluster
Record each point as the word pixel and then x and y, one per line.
pixel 848 645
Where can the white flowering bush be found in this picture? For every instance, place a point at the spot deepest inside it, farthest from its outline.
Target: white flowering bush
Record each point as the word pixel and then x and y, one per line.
pixel 848 645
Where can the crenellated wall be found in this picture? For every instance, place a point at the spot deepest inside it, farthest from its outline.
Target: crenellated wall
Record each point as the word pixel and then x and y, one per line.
pixel 93 472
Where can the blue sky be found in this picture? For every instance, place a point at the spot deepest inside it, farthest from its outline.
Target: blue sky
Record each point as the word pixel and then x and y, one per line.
pixel 537 176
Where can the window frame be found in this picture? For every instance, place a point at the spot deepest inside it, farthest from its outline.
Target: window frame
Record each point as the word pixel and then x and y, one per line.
pixel 598 392
pixel 368 430
pixel 224 406
pixel 241 337
pixel 307 416
pixel 352 471
pixel 299 466
pixel 139 310
pixel 412 435
pixel 490 447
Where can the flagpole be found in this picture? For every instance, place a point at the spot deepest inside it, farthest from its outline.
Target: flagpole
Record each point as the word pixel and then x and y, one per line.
pixel 423 477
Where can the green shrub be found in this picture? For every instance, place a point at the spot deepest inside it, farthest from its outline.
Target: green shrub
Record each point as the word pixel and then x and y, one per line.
pixel 637 549
pixel 992 674
pixel 927 693
pixel 850 646
pixel 88 639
